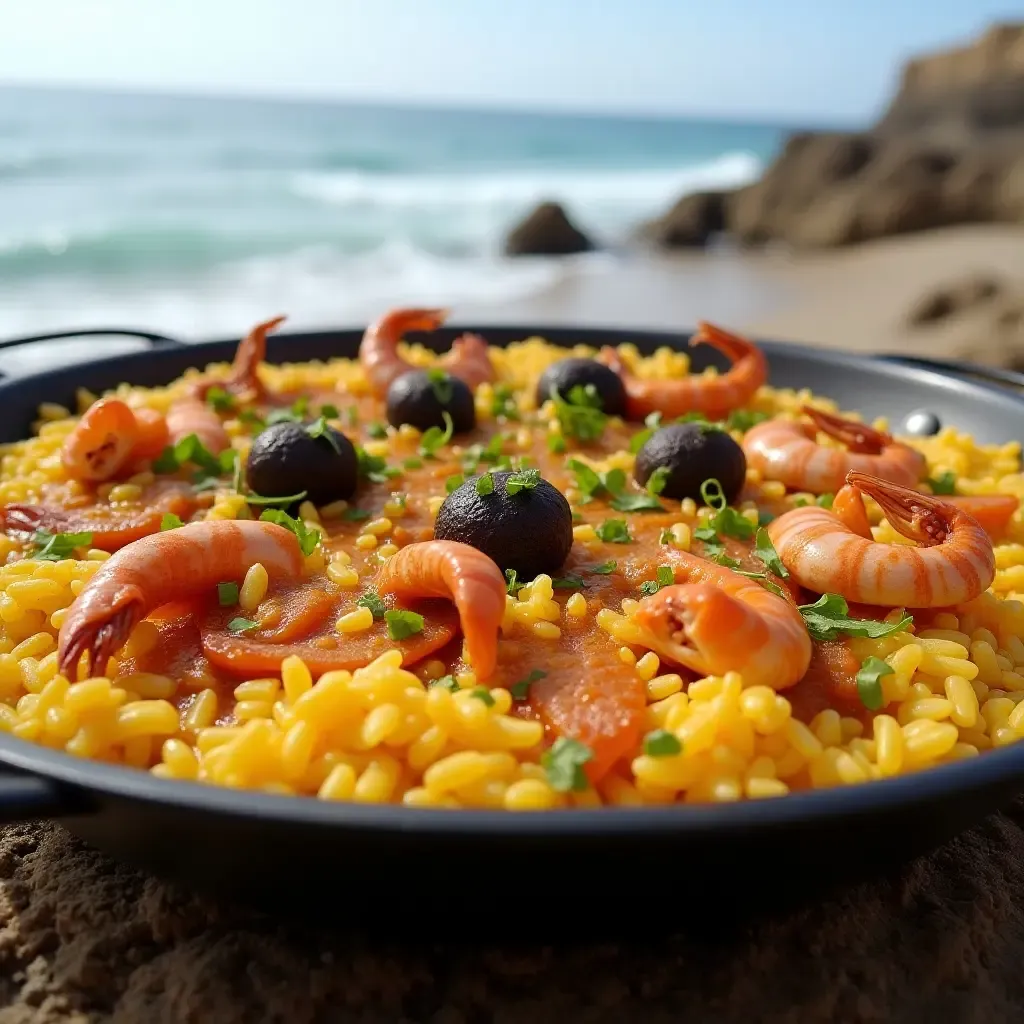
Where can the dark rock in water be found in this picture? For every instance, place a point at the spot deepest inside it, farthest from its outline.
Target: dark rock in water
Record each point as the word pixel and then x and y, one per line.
pixel 955 297
pixel 690 223
pixel 547 231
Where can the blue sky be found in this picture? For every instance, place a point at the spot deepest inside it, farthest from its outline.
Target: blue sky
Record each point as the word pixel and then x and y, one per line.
pixel 796 60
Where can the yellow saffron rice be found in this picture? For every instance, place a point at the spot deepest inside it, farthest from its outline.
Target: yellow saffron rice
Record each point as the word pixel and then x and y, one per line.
pixel 381 734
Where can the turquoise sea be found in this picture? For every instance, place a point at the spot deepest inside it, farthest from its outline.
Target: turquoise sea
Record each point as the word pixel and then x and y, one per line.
pixel 199 216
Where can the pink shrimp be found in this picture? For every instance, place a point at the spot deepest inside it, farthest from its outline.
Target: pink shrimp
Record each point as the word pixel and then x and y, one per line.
pixel 713 620
pixel 714 397
pixel 243 380
pixel 468 359
pixel 192 415
pixel 445 568
pixel 162 568
pixel 953 562
pixel 787 451
pixel 111 437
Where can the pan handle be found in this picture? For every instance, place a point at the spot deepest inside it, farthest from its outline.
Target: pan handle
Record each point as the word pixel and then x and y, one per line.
pixel 155 340
pixel 960 368
pixel 32 797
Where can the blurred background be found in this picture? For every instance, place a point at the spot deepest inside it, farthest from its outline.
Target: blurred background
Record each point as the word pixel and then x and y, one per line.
pixel 843 174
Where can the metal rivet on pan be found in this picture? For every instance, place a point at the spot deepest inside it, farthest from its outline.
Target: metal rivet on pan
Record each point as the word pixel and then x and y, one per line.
pixel 922 423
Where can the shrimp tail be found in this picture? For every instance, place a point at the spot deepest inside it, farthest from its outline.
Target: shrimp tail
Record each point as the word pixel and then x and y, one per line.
pixel 99 641
pixel 858 437
pixel 919 517
pixel 251 351
pixel 731 345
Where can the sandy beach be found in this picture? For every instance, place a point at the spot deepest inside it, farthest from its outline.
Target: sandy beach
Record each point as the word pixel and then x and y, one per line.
pixel 856 298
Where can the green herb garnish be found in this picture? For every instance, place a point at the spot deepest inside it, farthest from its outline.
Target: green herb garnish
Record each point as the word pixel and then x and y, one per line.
pixel 482 694
pixel 712 494
pixel 522 480
pixel 764 549
pixel 743 419
pixel 825 500
pixel 556 444
pixel 485 485
pixel 355 515
pixel 521 690
pixel 319 428
pixel 239 624
pixel 307 537
pixel 869 682
pixel 191 449
pixel 376 431
pixel 435 437
pixel 944 483
pixel 570 581
pixel 374 468
pixel 604 569
pixel 220 400
pixel 512 585
pixel 732 523
pixel 54 547
pixel 227 594
pixel 657 480
pixel 371 599
pixel 664 577
pixel 330 412
pixel 454 481
pixel 253 419
pixel 563 763
pixel 169 521
pixel 579 413
pixel 445 682
pixel 271 500
pixel 829 618
pixel 764 517
pixel 662 743
pixel 403 624
pixel 613 531
pixel 412 463
pixel 636 503
pixel 442 386
pixel 504 403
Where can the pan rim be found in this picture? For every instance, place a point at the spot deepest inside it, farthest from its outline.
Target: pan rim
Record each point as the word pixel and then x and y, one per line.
pixel 933 785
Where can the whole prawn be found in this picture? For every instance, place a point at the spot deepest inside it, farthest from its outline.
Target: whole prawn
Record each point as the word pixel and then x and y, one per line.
pixel 714 397
pixel 713 620
pixel 444 568
pixel 110 437
pixel 162 568
pixel 954 561
pixel 243 380
pixel 378 352
pixel 787 451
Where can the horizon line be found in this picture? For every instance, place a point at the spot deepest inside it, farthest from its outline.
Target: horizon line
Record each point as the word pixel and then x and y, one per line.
pixel 437 105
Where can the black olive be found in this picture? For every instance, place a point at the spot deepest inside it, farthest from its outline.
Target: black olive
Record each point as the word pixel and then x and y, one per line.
pixel 421 397
pixel 692 453
pixel 529 531
pixel 563 376
pixel 286 459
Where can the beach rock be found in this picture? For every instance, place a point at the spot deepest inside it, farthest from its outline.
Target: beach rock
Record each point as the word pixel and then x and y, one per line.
pixel 547 231
pixel 690 223
pixel 954 297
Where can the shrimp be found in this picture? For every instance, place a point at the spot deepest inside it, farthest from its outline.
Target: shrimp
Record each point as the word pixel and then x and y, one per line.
pixel 162 568
pixel 714 397
pixel 242 380
pixel 788 452
pixel 191 415
pixel 713 620
pixel 953 563
pixel 468 359
pixel 445 568
pixel 110 437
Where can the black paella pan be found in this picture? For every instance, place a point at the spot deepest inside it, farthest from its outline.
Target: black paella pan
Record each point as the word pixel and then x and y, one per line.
pixel 300 851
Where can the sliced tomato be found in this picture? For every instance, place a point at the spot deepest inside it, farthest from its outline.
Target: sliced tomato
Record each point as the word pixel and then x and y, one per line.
pixel 993 511
pixel 300 620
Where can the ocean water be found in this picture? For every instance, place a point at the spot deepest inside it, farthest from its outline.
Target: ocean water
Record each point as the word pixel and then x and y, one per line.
pixel 200 216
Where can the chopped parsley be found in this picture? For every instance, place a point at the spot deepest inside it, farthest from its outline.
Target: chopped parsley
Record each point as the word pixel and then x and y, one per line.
pixel 403 624
pixel 220 400
pixel 825 500
pixel 579 413
pixel 482 694
pixel 490 453
pixel 592 484
pixel 435 437
pixel 504 403
pixel 764 549
pixel 371 599
pixel 712 494
pixel 570 581
pixel 376 431
pixel 829 618
pixel 445 683
pixel 374 468
pixel 485 485
pixel 636 503
pixel 319 428
pixel 522 480
pixel 307 537
pixel 53 547
pixel 355 515
pixel 662 743
pixel 442 386
pixel 521 690
pixel 743 419
pixel 613 531
pixel 351 415
pixel 453 482
pixel 869 682
pixel 227 594
pixel 764 517
pixel 240 624
pixel 732 523
pixel 412 463
pixel 330 412
pixel 664 577
pixel 556 444
pixel 639 439
pixel 944 483
pixel 253 419
pixel 657 480
pixel 191 449
pixel 169 521
pixel 604 569
pixel 563 764
pixel 283 499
